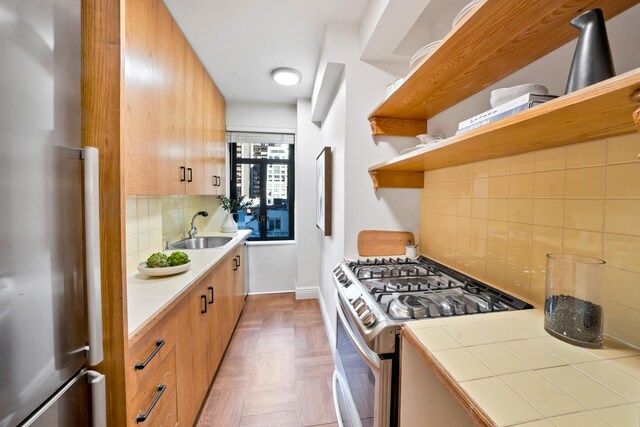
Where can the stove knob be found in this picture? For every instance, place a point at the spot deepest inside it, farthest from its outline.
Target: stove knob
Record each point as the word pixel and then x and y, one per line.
pixel 359 306
pixel 369 319
pixel 362 308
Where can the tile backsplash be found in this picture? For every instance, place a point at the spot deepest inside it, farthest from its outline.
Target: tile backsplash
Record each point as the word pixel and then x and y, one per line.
pixel 151 221
pixel 497 219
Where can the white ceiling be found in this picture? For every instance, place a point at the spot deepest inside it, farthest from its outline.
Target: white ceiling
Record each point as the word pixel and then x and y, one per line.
pixel 241 41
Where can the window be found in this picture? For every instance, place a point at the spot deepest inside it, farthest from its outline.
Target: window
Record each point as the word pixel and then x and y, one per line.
pixel 262 168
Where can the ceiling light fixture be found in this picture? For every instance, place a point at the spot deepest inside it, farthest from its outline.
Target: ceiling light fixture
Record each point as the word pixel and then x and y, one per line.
pixel 286 76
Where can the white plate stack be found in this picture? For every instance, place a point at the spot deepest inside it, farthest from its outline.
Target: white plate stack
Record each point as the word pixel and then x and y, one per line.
pixel 464 12
pixel 422 52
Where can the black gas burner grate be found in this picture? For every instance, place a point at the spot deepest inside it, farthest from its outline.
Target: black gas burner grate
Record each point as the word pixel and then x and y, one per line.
pixel 392 268
pixel 382 261
pixel 399 285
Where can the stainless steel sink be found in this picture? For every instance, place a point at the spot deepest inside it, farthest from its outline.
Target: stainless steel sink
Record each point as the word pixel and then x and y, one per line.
pixel 201 243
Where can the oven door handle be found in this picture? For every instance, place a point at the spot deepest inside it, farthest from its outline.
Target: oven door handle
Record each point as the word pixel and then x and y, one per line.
pixel 370 358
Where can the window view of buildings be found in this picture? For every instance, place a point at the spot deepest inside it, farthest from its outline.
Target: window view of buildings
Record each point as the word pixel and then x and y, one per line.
pixel 250 179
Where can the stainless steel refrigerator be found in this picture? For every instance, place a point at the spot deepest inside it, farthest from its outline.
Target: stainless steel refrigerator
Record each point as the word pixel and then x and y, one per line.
pixel 50 309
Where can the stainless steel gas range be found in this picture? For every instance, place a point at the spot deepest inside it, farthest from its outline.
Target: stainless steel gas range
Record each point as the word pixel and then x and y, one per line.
pixel 374 298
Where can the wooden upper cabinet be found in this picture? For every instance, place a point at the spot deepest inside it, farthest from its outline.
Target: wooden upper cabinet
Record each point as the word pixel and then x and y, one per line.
pixel 174 116
pixel 219 115
pixel 140 76
pixel 170 87
pixel 194 117
pixel 214 139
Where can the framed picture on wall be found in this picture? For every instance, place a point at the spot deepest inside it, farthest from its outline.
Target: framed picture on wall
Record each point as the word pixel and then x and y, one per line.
pixel 323 190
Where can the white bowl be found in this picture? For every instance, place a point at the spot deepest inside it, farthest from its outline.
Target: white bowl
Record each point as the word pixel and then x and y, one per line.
pixel 426 138
pixel 163 271
pixel 506 94
pixel 392 87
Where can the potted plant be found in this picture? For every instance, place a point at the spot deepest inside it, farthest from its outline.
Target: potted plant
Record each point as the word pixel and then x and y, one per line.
pixel 232 205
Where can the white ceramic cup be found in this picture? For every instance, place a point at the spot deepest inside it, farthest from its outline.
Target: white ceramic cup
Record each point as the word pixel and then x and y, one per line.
pixel 411 251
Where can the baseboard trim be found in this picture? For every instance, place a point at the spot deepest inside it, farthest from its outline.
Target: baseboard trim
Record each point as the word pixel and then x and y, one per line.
pixel 307 293
pixel 270 292
pixel 331 335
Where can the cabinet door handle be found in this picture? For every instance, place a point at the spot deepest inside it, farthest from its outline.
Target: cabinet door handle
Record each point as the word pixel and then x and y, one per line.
pixel 143 417
pixel 190 175
pixel 141 365
pixel 210 288
pixel 213 181
pixel 219 180
pixel 183 173
pixel 203 298
pixel 238 257
pixel 235 264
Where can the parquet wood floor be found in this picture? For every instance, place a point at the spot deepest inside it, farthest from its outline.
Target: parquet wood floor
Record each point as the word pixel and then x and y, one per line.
pixel 277 369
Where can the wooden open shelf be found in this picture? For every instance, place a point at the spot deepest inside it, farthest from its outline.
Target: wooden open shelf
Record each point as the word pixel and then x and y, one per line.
pixel 498 38
pixel 598 111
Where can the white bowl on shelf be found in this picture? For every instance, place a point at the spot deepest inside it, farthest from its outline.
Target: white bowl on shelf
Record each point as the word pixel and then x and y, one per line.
pixel 427 139
pixel 417 147
pixel 506 94
pixel 392 87
pixel 464 12
pixel 163 271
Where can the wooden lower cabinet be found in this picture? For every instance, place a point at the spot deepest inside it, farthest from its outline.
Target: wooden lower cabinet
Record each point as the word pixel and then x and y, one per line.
pixel 193 346
pixel 151 375
pixel 183 350
pixel 238 281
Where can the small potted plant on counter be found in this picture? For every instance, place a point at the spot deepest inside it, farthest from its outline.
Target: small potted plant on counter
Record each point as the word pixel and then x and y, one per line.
pixel 232 205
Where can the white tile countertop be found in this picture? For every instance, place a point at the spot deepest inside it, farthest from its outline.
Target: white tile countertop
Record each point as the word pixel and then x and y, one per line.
pixel 147 295
pixel 517 374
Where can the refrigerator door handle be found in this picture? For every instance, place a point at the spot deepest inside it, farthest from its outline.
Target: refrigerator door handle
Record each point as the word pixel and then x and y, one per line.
pixel 98 399
pixel 92 233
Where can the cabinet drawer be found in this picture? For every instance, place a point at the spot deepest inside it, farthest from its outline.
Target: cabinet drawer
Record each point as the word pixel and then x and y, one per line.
pixel 164 414
pixel 149 351
pixel 160 387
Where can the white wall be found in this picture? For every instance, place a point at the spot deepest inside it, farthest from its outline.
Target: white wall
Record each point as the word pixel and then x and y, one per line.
pixel 308 146
pixel 365 86
pixel 261 116
pixel 333 134
pixel 272 266
pixel 346 128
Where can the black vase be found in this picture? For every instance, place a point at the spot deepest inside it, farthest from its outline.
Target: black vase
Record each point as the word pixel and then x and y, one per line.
pixel 592 61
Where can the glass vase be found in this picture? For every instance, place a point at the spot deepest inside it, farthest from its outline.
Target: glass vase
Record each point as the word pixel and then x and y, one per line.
pixel 573 310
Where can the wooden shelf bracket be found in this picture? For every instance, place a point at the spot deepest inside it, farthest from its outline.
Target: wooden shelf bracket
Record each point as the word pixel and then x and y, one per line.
pixel 392 179
pixel 635 97
pixel 397 127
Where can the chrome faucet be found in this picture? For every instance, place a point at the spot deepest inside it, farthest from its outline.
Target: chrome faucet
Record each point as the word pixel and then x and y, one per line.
pixel 192 233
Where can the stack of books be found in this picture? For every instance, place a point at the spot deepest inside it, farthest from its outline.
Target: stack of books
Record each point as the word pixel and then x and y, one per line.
pixel 514 106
